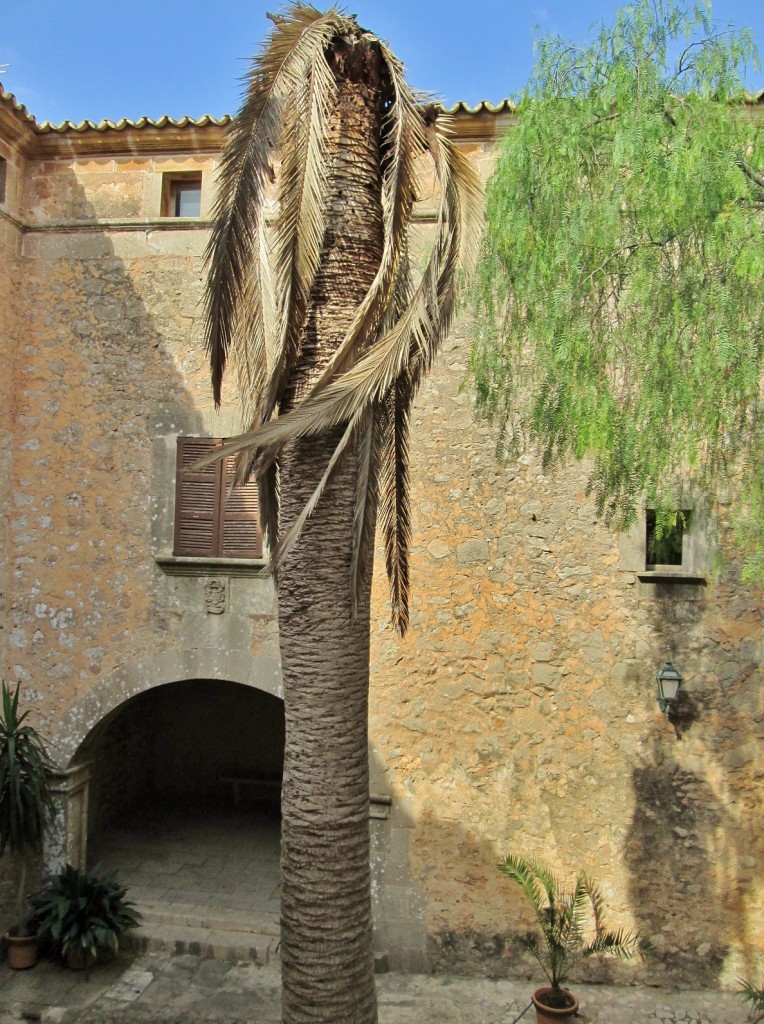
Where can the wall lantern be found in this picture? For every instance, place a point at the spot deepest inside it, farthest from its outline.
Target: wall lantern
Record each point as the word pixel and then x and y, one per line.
pixel 669 681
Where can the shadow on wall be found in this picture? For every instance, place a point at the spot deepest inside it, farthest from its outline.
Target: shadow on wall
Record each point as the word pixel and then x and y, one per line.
pixel 695 838
pixel 688 860
pixel 681 854
pixel 94 361
pixel 442 905
pixel 109 359
pixel 482 937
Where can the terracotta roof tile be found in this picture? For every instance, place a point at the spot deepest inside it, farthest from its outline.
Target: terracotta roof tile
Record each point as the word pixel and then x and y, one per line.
pixel 143 122
pixel 10 101
pixel 45 127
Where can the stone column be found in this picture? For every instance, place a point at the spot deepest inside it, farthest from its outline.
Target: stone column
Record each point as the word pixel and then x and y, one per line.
pixel 66 838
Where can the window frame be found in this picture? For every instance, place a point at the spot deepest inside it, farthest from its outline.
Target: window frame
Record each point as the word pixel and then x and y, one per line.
pixel 172 183
pixel 683 524
pixel 698 548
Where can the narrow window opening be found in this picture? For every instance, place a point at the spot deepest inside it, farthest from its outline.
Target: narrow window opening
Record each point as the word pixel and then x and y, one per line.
pixel 666 538
pixel 3 177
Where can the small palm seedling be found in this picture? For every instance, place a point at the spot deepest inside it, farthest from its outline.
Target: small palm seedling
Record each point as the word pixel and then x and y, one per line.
pixel 570 927
pixel 754 996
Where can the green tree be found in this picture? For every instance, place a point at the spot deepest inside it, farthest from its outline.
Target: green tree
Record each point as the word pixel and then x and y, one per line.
pixel 619 296
pixel 331 337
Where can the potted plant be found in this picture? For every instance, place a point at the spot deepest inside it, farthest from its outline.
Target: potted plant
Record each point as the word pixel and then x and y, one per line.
pixel 26 803
pixel 82 914
pixel 570 929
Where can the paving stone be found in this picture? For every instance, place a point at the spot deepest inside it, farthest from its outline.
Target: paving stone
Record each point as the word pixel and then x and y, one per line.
pixel 132 985
pixel 193 990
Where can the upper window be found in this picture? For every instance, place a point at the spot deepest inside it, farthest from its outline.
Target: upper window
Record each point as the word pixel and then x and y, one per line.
pixel 182 195
pixel 213 519
pixel 666 544
pixel 3 177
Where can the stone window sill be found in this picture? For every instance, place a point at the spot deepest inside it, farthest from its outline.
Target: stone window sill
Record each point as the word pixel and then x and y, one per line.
pixel 667 576
pixel 180 565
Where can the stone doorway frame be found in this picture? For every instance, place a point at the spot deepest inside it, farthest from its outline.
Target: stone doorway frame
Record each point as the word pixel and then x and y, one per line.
pixel 66 838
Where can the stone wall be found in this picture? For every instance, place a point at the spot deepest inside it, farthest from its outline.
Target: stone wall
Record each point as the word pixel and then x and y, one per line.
pixel 10 246
pixel 112 366
pixel 519 713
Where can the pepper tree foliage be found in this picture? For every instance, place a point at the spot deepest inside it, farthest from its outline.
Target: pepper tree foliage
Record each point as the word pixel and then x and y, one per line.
pixel 619 296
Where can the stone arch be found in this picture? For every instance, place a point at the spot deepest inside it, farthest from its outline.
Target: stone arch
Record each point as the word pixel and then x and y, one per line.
pixel 261 672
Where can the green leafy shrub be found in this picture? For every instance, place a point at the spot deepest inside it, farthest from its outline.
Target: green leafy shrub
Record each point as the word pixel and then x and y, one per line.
pixel 83 913
pixel 570 923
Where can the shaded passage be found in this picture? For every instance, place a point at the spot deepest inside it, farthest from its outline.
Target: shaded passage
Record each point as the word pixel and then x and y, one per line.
pixel 205 879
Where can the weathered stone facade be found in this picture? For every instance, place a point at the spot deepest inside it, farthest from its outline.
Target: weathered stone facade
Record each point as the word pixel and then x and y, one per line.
pixel 519 713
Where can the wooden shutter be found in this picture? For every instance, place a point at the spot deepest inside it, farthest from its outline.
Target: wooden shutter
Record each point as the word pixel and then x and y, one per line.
pixel 210 522
pixel 197 499
pixel 241 537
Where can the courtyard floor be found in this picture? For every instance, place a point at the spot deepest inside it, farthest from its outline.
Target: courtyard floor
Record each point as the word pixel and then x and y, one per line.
pixel 207 883
pixel 158 988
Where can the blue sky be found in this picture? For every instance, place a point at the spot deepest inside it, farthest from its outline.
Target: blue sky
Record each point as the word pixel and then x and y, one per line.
pixel 94 59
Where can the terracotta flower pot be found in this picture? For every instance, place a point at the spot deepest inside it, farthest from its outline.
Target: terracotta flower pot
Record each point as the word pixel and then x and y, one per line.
pixel 22 951
pixel 79 959
pixel 552 1014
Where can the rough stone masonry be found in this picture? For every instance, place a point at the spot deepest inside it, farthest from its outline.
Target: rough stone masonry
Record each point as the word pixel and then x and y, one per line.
pixel 518 715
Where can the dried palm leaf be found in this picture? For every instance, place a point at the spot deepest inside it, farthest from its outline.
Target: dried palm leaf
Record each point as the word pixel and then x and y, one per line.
pixel 368 456
pixel 234 251
pixel 419 330
pixel 370 381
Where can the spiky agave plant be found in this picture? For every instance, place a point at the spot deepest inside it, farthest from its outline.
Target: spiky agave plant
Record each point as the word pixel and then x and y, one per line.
pixel 570 922
pixel 26 801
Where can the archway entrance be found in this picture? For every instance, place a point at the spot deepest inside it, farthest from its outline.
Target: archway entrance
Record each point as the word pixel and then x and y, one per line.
pixel 185 782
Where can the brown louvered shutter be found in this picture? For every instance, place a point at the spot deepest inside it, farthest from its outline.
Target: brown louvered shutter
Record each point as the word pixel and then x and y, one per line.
pixel 210 522
pixel 197 499
pixel 241 524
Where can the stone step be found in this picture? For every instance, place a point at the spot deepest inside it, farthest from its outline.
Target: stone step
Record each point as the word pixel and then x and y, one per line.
pixel 213 918
pixel 216 932
pixel 204 942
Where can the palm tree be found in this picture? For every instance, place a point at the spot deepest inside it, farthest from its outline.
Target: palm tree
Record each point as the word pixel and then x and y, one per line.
pixel 330 336
pixel 561 942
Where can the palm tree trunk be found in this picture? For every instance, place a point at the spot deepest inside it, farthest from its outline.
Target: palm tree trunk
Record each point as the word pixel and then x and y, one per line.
pixel 327 967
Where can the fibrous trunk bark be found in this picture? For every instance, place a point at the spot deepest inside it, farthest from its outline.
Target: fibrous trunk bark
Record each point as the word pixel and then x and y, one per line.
pixel 326 951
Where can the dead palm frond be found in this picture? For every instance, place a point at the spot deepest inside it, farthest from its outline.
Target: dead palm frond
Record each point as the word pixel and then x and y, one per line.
pixel 259 289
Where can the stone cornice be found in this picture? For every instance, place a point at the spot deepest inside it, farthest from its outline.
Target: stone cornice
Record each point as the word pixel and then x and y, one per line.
pixel 150 139
pixel 6 215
